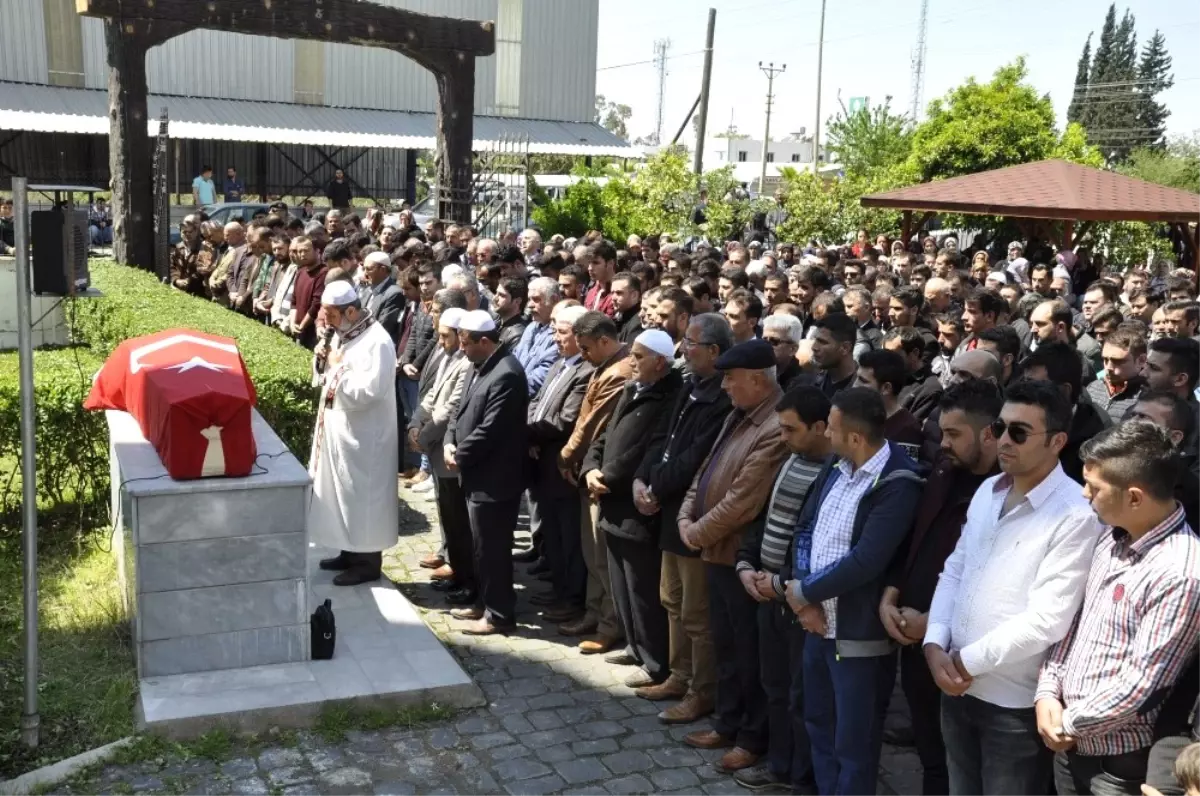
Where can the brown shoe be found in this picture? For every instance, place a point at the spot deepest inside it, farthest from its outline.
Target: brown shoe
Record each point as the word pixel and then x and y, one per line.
pixel 580 627
pixel 707 739
pixel 671 688
pixel 736 759
pixel 692 708
pixel 473 614
pixel 432 561
pixel 409 473
pixel 562 613
pixel 594 646
pixel 485 628
pixel 639 679
pixel 443 572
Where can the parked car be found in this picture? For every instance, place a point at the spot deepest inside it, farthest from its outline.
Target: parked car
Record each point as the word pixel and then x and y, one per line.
pixel 224 212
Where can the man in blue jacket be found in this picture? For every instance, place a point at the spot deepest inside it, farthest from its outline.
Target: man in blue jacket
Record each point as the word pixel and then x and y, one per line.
pixel 857 513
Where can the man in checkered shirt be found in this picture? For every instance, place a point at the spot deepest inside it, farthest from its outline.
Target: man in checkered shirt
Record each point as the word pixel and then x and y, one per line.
pixel 1102 687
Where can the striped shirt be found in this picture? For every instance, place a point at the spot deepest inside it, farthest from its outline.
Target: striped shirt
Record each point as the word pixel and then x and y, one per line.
pixel 1131 640
pixel 834 526
pixel 783 510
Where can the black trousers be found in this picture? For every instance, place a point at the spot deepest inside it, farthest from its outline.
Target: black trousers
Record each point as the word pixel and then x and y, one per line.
pixel 1105 775
pixel 458 544
pixel 492 525
pixel 633 572
pixel 556 521
pixel 925 705
pixel 781 657
pixel 741 709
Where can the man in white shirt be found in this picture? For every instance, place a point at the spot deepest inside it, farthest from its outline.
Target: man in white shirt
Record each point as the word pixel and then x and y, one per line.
pixel 1007 593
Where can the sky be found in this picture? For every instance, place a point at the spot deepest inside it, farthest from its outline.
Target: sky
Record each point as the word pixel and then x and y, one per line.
pixel 868 52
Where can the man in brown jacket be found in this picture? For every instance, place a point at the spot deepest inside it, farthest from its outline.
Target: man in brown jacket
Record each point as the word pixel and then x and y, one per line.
pixel 596 335
pixel 727 495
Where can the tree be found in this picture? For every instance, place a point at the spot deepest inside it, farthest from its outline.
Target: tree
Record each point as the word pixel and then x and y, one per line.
pixel 1079 95
pixel 1176 165
pixel 869 139
pixel 613 116
pixel 1154 76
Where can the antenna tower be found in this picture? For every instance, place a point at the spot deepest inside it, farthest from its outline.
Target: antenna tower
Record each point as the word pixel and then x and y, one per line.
pixel 918 66
pixel 660 63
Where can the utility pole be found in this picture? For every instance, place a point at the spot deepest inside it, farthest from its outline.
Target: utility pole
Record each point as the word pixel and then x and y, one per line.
pixel 702 127
pixel 918 66
pixel 660 63
pixel 820 59
pixel 770 71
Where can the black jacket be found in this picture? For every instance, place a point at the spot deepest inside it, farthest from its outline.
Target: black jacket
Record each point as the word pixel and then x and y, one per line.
pixel 673 458
pixel 422 339
pixel 386 305
pixel 339 193
pixel 922 393
pixel 619 450
pixel 510 331
pixel 1087 423
pixel 787 376
pixel 629 324
pixel 489 433
pixel 552 428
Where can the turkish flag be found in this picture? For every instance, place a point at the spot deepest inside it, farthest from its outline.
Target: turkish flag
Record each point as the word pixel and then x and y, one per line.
pixel 191 396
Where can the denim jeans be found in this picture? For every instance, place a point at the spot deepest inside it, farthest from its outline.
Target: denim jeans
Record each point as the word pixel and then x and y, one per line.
pixel 993 750
pixel 406 391
pixel 844 702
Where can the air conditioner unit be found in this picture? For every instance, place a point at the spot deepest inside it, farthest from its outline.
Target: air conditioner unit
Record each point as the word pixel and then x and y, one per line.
pixel 59 239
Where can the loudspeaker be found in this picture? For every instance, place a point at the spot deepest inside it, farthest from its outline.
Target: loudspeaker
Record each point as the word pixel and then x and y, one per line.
pixel 59 239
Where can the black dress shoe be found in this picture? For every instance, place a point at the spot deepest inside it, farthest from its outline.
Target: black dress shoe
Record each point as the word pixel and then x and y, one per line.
pixel 462 597
pixel 341 561
pixel 525 556
pixel 544 598
pixel 538 568
pixel 444 585
pixel 359 573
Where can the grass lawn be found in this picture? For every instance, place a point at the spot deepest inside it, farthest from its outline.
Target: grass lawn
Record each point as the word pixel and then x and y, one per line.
pixel 87 681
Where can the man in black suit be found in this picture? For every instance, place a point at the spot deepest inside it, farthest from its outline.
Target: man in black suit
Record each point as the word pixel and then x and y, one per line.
pixel 488 444
pixel 380 294
pixel 554 506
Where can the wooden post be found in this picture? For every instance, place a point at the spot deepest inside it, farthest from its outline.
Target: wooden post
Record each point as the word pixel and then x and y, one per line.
pixel 906 228
pixel 1068 235
pixel 130 148
pixel 455 121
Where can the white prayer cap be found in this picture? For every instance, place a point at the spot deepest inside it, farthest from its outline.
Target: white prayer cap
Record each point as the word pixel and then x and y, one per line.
pixel 339 294
pixel 452 317
pixel 657 341
pixel 998 276
pixel 476 321
pixel 379 258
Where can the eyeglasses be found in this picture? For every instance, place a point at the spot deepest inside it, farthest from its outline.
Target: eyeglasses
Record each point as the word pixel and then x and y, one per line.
pixel 1018 434
pixel 777 341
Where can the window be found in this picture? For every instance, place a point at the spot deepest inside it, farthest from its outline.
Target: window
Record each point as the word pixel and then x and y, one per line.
pixel 770 157
pixel 741 156
pixel 795 157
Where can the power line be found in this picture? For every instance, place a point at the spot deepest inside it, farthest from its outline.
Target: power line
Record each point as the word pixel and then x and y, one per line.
pixel 648 61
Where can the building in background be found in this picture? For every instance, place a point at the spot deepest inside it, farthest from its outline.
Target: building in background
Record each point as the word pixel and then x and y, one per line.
pixel 286 112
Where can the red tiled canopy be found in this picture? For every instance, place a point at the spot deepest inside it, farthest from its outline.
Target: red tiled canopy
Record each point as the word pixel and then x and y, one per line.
pixel 1053 189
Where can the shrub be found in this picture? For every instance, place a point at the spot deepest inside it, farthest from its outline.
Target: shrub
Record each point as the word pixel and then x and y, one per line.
pixel 72 444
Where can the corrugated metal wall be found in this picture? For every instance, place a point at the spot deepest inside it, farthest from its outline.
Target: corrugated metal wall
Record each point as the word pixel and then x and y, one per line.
pixel 209 63
pixel 83 160
pixel 23 41
pixel 558 59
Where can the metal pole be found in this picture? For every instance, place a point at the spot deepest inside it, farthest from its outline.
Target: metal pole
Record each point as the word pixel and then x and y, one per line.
pixel 701 128
pixel 820 59
pixel 30 720
pixel 770 71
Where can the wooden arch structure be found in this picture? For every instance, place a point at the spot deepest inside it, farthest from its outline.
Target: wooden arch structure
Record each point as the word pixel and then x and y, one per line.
pixel 445 46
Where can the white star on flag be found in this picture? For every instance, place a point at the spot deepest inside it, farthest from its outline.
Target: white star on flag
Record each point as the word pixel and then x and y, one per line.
pixel 198 362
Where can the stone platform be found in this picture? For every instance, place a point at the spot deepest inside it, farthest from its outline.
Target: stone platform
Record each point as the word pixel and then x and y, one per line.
pixel 384 653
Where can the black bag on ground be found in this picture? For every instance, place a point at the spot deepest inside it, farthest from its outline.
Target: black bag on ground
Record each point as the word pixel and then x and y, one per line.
pixel 324 632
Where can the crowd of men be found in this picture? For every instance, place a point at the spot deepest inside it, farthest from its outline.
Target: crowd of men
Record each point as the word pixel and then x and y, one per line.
pixel 770 482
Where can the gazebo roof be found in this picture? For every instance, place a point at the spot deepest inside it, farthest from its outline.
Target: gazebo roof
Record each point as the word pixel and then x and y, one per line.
pixel 1052 189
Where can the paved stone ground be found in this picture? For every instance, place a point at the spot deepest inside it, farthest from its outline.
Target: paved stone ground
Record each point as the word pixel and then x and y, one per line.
pixel 556 722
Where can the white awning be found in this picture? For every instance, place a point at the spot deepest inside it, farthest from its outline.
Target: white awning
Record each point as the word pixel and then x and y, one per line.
pixel 56 109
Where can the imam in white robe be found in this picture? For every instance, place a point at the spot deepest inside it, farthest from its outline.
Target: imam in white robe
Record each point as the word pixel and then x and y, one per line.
pixel 355 454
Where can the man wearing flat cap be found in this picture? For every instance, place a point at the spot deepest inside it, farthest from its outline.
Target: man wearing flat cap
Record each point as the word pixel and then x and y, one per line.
pixel 380 294
pixel 487 443
pixel 355 446
pixel 727 495
pixel 612 460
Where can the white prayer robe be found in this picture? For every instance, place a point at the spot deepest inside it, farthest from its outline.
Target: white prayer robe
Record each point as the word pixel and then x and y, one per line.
pixel 355 455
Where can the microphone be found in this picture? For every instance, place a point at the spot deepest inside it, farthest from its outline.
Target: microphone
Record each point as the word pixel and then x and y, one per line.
pixel 326 341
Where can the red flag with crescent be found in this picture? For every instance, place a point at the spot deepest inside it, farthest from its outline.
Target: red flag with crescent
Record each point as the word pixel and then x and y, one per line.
pixel 192 397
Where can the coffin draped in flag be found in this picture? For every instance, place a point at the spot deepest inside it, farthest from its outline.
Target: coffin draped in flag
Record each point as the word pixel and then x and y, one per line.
pixel 192 397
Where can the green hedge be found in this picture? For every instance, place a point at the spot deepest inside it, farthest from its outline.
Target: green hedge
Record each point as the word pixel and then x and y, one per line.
pixel 72 445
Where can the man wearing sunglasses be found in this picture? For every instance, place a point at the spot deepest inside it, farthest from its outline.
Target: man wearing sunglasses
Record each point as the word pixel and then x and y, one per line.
pixel 1006 594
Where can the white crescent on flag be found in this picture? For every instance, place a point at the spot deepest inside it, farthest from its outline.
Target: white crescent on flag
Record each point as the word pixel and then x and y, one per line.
pixel 136 355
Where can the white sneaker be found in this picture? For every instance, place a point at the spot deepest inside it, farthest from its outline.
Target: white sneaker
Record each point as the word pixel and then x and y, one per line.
pixel 424 486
